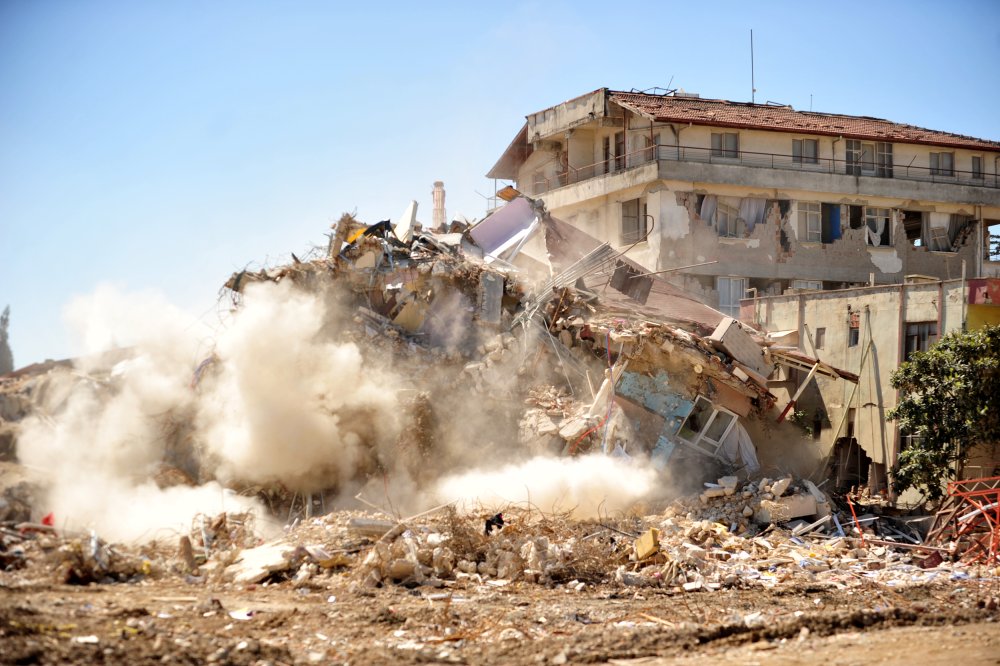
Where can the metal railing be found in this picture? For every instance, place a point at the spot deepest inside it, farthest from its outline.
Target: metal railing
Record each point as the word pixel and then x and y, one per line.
pixel 619 163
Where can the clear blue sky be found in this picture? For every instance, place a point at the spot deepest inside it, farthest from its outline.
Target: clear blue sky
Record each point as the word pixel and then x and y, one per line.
pixel 164 144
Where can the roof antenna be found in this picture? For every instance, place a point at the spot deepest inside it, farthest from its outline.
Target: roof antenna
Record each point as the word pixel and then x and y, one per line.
pixel 810 102
pixel 753 87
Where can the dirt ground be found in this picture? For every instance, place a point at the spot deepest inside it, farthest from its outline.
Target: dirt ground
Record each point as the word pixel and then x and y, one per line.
pixel 170 621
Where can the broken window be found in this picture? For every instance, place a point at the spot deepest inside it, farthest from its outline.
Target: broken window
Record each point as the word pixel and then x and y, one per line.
pixel 919 337
pixel 977 167
pixel 725 144
pixel 805 151
pixel 878 223
pixel 856 216
pixel 731 290
pixel 619 151
pixel 810 222
pixel 631 282
pixel 820 338
pixel 634 218
pixel 869 159
pixel 854 330
pixel 706 426
pixel 727 221
pixel 606 153
pixel 913 225
pixel 942 164
pixel 830 219
pixel 946 231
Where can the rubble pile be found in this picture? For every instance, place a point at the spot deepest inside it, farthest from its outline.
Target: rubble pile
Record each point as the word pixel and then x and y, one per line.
pixel 683 548
pixel 596 357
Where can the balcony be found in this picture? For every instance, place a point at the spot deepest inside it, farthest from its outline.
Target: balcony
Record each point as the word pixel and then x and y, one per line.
pixel 770 170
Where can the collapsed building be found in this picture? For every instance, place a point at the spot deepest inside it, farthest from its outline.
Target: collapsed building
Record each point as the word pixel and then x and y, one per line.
pixel 609 356
pixel 585 353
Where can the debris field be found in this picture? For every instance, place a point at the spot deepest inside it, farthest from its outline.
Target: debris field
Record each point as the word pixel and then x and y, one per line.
pixel 513 461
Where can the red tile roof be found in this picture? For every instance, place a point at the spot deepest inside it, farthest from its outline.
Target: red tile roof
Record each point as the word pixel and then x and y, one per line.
pixel 723 113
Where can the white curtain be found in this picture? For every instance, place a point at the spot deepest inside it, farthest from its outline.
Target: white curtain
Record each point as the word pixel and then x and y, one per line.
pixel 752 212
pixel 708 206
pixel 875 236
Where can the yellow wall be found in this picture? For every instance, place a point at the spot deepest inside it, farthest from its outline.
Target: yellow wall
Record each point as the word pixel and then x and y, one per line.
pixel 979 316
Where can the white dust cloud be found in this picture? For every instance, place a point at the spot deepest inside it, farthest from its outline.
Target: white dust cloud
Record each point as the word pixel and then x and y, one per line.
pixel 287 406
pixel 280 404
pixel 587 487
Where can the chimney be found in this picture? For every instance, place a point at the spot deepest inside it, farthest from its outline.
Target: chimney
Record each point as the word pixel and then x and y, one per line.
pixel 440 219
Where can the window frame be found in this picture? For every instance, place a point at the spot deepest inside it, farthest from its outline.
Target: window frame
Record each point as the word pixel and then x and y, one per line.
pixel 919 336
pixel 800 154
pixel 977 167
pixel 728 307
pixel 806 214
pixel 937 169
pixel 639 221
pixel 868 158
pixel 619 150
pixel 873 217
pixel 732 216
pixel 721 147
pixel 701 435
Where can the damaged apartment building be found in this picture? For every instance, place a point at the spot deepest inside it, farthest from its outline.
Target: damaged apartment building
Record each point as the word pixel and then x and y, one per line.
pixel 870 330
pixel 759 199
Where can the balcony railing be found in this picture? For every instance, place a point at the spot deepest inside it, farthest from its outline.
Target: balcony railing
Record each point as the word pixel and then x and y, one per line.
pixel 617 164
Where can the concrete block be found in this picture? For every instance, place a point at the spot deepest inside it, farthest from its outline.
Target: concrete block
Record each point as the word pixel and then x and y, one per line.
pixel 779 487
pixel 786 508
pixel 648 544
pixel 573 428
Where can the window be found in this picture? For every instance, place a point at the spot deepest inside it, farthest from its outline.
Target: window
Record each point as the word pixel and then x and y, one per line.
pixel 878 221
pixel 810 222
pixel 727 221
pixel 942 164
pixel 853 328
pixel 820 338
pixel 919 337
pixel 607 154
pixel 977 167
pixel 619 151
pixel 805 151
pixel 811 285
pixel 651 147
pixel 731 290
pixel 634 217
pixel 869 159
pixel 706 426
pixel 726 144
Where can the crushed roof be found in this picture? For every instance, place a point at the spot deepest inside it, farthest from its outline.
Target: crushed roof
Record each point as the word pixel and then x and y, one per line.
pixel 723 113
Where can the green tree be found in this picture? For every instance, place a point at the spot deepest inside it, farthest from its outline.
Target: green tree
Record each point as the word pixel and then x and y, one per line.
pixel 949 400
pixel 6 356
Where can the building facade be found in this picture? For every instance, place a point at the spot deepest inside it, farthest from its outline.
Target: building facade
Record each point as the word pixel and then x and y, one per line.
pixel 868 331
pixel 760 199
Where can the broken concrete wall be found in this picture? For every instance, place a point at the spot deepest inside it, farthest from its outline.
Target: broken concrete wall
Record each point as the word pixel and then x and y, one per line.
pixel 836 327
